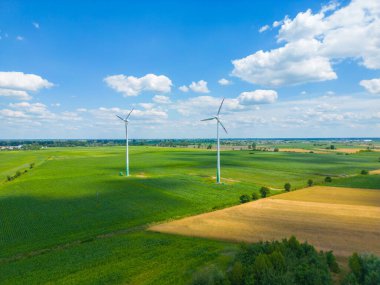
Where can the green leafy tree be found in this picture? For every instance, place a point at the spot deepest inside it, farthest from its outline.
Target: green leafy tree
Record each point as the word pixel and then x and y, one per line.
pixel 310 182
pixel 364 172
pixel 356 266
pixel 331 262
pixel 236 274
pixel 244 198
pixel 328 179
pixel 255 196
pixel 287 187
pixel 264 191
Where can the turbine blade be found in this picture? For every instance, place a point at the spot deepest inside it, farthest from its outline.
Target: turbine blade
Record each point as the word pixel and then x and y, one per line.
pixel 220 107
pixel 209 119
pixel 222 126
pixel 129 114
pixel 120 118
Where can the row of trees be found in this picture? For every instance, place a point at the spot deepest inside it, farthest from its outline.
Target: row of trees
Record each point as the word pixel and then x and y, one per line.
pixel 19 173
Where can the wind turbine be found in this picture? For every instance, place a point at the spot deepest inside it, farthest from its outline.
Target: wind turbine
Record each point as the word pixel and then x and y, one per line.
pixel 126 121
pixel 218 122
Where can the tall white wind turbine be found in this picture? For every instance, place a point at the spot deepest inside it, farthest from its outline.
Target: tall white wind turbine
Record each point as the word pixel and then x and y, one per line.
pixel 218 122
pixel 126 121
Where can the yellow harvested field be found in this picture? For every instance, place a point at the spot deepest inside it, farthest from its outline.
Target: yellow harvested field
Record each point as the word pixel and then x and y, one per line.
pixel 340 219
pixel 377 171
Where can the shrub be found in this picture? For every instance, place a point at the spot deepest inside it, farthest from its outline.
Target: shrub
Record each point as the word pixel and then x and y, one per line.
pixel 31 165
pixel 310 182
pixel 244 198
pixel 255 196
pixel 9 178
pixel 276 149
pixel 264 191
pixel 328 179
pixel 18 173
pixel 364 172
pixel 287 187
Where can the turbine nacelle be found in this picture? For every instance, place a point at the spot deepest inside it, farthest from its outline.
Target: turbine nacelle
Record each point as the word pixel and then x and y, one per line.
pixel 216 117
pixel 126 118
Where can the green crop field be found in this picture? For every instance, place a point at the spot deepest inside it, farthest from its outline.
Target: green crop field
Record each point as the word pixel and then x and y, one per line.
pixel 73 219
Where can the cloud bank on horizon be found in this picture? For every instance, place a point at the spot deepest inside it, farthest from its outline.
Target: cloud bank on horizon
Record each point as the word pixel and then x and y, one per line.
pixel 263 96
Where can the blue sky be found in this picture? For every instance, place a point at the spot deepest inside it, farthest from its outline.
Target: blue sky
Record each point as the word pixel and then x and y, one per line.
pixel 290 68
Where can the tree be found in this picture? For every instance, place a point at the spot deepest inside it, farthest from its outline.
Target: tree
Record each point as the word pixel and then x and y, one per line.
pixel 209 146
pixel 287 187
pixel 364 172
pixel 355 265
pixel 276 149
pixel 31 165
pixel 244 198
pixel 253 145
pixel 310 182
pixel 255 196
pixel 331 262
pixel 236 274
pixel 264 191
pixel 328 179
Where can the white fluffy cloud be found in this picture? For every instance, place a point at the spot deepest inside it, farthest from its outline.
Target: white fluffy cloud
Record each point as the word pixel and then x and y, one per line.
pixel 205 105
pixel 16 94
pixel 258 97
pixel 150 114
pixel 7 113
pixel 161 99
pixel 264 28
pixel 23 81
pixel 313 41
pixel 224 81
pixel 36 113
pixel 133 86
pixel 372 85
pixel 296 62
pixel 199 87
pixel 184 88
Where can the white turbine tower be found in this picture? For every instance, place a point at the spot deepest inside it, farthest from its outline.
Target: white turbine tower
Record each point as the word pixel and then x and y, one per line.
pixel 218 122
pixel 126 121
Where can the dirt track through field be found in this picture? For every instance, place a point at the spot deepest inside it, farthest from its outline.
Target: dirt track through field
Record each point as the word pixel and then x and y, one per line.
pixel 342 219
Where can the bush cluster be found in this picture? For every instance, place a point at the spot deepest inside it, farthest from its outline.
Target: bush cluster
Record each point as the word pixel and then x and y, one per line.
pixel 245 198
pixel 286 262
pixel 364 270
pixel 18 173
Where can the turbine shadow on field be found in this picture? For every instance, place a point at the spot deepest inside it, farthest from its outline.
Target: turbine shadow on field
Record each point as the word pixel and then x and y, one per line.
pixel 30 222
